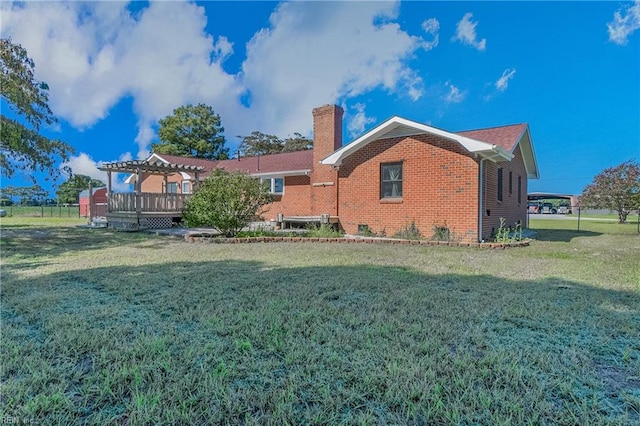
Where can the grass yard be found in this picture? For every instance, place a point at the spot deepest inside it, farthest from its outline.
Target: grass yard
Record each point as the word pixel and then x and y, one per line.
pixel 130 328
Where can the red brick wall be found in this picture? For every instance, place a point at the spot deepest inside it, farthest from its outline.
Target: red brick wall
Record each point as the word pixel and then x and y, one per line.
pixel 154 183
pixel 295 201
pixel 509 208
pixel 440 188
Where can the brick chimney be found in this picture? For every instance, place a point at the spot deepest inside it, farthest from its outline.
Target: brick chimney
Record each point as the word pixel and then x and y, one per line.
pixel 327 131
pixel 327 137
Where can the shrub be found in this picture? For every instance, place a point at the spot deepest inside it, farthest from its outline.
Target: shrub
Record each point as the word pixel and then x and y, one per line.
pixel 505 234
pixel 324 230
pixel 409 232
pixel 226 202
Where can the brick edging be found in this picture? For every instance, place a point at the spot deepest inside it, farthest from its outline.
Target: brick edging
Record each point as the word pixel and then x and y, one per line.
pixel 203 238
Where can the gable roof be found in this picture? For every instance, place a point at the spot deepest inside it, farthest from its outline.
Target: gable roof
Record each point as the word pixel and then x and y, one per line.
pixel 504 136
pixel 401 127
pixel 510 137
pixel 495 144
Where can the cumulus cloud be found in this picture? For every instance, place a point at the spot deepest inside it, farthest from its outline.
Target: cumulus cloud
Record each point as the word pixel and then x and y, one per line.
pixel 93 54
pixel 625 22
pixel 466 33
pixel 315 53
pixel 83 164
pixel 503 82
pixel 454 95
pixel 431 26
pixel 358 120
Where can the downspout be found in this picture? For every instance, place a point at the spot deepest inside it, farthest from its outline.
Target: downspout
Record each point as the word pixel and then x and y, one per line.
pixel 338 192
pixel 480 184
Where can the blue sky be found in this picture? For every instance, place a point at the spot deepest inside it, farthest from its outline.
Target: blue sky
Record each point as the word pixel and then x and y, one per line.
pixel 571 70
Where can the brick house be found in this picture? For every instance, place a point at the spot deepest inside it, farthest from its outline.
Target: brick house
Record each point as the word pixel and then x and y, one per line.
pixel 398 173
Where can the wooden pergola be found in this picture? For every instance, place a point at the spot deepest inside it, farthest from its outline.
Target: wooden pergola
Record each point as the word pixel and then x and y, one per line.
pixel 139 210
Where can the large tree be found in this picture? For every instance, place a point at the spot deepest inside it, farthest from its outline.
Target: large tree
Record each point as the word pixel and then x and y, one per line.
pixel 616 188
pixel 22 147
pixel 69 191
pixel 227 202
pixel 258 143
pixel 192 131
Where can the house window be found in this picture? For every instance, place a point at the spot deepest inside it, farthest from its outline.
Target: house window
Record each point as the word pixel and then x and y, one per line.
pixel 185 187
pixel 519 189
pixel 510 183
pixel 500 184
pixel 172 187
pixel 391 180
pixel 276 185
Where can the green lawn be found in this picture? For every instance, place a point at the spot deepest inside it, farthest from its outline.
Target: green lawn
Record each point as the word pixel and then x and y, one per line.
pixel 129 328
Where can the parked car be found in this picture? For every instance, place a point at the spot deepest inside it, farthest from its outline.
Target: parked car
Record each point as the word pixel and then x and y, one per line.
pixel 3 213
pixel 564 209
pixel 533 207
pixel 547 208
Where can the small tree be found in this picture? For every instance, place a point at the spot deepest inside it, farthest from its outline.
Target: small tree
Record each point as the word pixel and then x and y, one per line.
pixel 616 188
pixel 227 202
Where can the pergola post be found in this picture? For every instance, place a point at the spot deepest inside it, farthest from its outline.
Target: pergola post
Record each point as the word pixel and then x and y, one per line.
pixel 138 190
pixel 108 190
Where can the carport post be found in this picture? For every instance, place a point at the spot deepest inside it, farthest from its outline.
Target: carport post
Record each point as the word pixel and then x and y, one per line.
pixel 578 218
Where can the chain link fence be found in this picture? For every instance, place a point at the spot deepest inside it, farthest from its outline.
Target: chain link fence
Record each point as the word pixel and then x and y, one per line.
pixel 69 211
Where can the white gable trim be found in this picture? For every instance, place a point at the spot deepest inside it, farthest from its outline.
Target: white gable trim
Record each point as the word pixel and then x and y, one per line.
pixel 525 145
pixel 132 177
pixel 401 127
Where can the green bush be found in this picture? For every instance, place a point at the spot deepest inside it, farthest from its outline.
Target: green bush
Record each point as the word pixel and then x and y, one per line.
pixel 409 232
pixel 226 202
pixel 324 230
pixel 505 234
pixel 441 233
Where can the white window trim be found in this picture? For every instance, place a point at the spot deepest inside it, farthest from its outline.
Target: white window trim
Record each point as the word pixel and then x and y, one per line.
pixel 272 184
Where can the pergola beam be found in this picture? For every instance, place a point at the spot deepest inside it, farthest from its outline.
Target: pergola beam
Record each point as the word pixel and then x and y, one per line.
pixel 153 167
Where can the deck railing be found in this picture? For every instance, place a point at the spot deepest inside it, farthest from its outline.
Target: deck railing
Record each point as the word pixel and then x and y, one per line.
pixel 145 202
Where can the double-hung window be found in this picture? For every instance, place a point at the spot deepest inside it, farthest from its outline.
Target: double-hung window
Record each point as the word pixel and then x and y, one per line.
pixel 172 187
pixel 185 186
pixel 391 180
pixel 276 185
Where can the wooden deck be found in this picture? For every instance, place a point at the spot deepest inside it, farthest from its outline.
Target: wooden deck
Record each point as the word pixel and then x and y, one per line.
pixel 136 211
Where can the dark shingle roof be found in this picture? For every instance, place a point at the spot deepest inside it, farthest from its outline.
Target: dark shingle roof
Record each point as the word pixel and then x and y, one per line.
pixel 504 136
pixel 286 162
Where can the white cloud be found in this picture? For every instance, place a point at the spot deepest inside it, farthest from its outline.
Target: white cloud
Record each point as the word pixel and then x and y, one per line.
pixel 431 26
pixel 93 54
pixel 325 52
pixel 625 22
pixel 83 164
pixel 454 94
pixel 466 33
pixel 503 82
pixel 358 120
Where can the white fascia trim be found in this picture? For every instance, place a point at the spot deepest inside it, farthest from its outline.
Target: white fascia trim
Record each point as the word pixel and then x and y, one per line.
pixel 158 157
pixel 533 163
pixel 472 145
pixel 283 173
pixel 132 177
